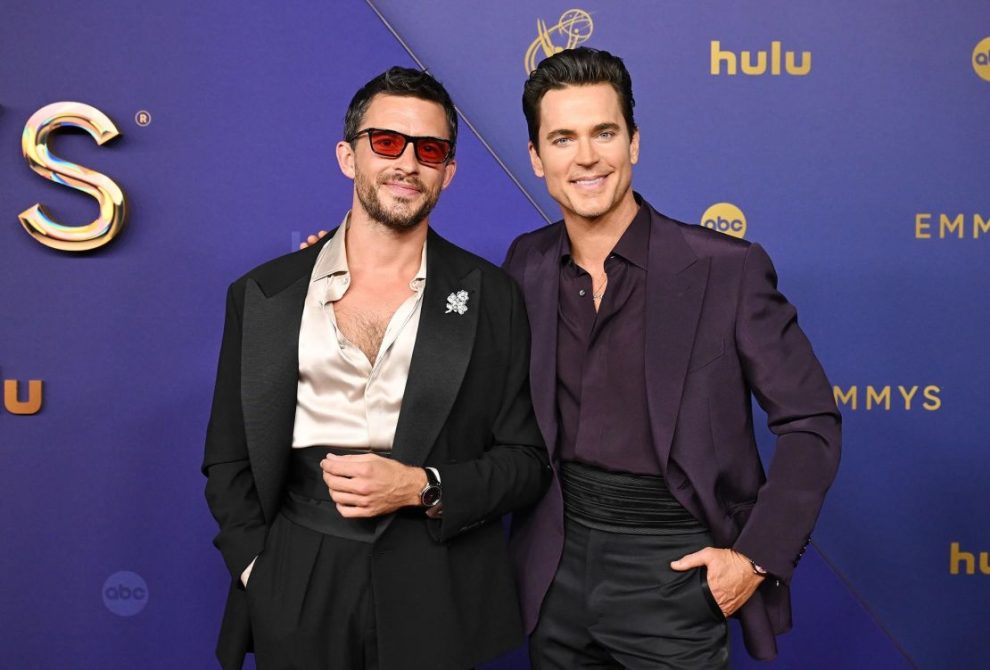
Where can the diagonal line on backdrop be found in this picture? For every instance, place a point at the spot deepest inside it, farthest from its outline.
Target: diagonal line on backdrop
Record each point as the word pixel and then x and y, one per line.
pixel 463 116
pixel 862 603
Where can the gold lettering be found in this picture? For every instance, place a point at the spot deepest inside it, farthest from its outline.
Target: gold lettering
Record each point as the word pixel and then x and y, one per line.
pixel 805 66
pixel 746 62
pixel 754 63
pixel 34 145
pixel 12 401
pixel 959 558
pixel 922 224
pixel 931 394
pixel 718 56
pixel 946 224
pixel 847 398
pixel 907 396
pixel 980 226
pixel 956 557
pixel 874 398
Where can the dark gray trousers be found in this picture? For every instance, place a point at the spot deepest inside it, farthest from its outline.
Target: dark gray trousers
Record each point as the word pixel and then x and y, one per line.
pixel 311 602
pixel 615 603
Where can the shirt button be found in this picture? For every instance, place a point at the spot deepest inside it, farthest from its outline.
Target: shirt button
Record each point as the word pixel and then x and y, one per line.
pixel 582 292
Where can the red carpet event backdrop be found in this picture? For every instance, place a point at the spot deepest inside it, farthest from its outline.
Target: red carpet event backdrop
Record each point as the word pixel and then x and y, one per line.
pixel 171 146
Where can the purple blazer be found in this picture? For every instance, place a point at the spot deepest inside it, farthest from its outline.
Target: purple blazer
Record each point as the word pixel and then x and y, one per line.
pixel 718 333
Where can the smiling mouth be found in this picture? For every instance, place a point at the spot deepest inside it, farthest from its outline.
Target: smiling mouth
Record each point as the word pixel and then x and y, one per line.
pixel 590 182
pixel 403 189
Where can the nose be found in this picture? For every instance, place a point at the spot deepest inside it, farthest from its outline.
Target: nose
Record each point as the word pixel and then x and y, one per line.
pixel 587 154
pixel 407 161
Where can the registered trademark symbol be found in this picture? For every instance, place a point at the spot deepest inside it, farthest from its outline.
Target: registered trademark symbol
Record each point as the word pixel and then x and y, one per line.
pixel 143 118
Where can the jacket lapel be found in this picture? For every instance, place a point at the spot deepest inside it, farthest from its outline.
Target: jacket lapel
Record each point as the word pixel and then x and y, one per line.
pixel 444 343
pixel 273 306
pixel 541 288
pixel 675 291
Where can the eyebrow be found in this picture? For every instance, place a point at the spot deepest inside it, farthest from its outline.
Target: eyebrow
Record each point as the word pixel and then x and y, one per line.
pixel 605 126
pixel 564 132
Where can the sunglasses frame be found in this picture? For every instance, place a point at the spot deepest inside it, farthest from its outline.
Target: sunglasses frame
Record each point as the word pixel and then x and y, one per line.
pixel 414 139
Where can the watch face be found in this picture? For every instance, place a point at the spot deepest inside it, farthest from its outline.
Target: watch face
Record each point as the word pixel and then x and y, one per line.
pixel 431 496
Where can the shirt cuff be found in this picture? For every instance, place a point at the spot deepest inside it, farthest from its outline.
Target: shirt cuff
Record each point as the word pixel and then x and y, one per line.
pixel 246 575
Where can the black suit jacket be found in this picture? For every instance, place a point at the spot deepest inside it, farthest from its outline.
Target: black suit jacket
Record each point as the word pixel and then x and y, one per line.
pixel 717 333
pixel 444 588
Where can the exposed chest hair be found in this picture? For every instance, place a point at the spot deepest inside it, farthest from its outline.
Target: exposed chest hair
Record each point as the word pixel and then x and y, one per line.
pixel 365 329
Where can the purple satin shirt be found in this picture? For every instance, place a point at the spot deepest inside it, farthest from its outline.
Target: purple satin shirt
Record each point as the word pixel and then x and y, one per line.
pixel 601 381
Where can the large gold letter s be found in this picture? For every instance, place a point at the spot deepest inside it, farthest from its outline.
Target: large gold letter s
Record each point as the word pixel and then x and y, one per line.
pixel 34 144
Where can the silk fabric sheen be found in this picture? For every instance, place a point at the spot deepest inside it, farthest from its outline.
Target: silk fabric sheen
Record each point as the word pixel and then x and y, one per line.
pixel 341 398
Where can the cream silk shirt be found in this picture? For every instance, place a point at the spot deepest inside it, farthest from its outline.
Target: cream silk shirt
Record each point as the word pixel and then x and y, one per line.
pixel 342 400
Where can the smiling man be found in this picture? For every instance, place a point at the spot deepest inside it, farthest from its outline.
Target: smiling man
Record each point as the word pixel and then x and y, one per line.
pixel 372 422
pixel 650 338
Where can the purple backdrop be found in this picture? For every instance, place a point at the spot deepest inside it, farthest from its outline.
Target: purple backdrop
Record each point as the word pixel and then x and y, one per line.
pixel 106 551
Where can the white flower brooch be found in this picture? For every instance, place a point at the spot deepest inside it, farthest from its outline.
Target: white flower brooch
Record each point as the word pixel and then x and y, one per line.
pixel 457 302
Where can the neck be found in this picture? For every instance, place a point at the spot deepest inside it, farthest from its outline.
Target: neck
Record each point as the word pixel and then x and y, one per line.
pixel 374 247
pixel 592 239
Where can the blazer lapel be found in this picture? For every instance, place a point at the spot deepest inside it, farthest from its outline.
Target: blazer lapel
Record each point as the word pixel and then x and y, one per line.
pixel 675 290
pixel 444 343
pixel 541 288
pixel 273 307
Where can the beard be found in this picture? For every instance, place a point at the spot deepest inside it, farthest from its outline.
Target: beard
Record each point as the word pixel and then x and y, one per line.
pixel 401 216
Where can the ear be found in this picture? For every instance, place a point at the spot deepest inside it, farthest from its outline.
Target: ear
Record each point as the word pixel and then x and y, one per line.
pixel 345 158
pixel 449 169
pixel 634 147
pixel 535 161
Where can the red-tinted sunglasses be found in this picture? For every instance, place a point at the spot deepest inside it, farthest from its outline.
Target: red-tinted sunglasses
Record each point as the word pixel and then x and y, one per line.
pixel 391 144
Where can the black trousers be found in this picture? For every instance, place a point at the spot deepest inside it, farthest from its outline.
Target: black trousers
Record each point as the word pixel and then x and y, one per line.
pixel 311 602
pixel 615 603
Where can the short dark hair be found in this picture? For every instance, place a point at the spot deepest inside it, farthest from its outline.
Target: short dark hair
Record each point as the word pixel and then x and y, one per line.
pixel 576 67
pixel 405 82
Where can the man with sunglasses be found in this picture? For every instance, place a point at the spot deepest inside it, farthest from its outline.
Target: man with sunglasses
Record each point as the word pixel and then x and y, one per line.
pixel 372 423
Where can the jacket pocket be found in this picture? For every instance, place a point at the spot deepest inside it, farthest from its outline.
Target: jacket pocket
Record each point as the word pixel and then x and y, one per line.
pixel 706 351
pixel 706 591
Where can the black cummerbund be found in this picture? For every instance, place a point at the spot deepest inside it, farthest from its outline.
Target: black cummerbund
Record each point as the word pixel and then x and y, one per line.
pixel 623 503
pixel 308 502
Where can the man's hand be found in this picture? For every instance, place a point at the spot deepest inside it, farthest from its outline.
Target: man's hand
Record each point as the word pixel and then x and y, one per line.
pixel 730 575
pixel 367 485
pixel 313 239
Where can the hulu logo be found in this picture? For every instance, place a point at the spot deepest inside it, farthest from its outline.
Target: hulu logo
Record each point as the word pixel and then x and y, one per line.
pixel 964 562
pixel 757 63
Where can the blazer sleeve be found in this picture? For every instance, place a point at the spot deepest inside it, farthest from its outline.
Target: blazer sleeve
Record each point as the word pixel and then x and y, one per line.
pixel 790 385
pixel 515 472
pixel 230 488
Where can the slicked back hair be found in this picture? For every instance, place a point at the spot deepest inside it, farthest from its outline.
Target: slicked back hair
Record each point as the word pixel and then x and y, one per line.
pixel 404 82
pixel 582 66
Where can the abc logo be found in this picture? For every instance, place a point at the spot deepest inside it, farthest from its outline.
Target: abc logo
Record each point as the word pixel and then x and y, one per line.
pixel 981 59
pixel 125 593
pixel 725 218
